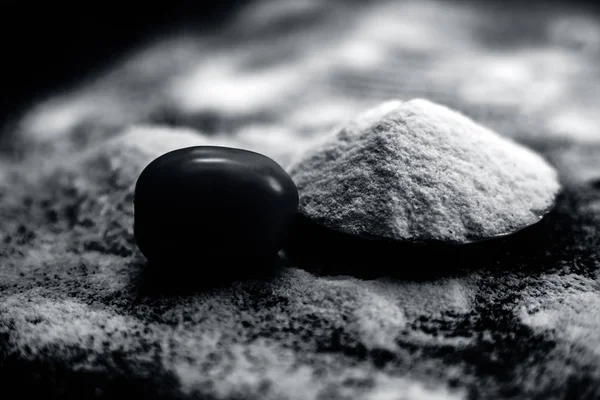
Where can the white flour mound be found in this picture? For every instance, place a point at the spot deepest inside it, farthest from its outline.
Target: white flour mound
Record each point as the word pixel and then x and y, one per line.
pixel 420 171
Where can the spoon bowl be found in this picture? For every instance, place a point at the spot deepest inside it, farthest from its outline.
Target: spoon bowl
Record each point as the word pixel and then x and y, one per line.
pixel 327 251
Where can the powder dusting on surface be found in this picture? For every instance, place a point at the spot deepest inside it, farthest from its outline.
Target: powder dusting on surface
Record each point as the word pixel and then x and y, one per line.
pixel 567 307
pixel 420 171
pixel 74 291
pixel 80 316
pixel 295 336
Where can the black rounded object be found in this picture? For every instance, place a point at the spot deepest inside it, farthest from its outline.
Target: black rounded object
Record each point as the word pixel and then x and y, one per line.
pixel 207 203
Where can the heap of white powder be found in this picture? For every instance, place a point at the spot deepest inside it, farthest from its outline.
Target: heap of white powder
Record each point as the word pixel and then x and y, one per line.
pixel 418 171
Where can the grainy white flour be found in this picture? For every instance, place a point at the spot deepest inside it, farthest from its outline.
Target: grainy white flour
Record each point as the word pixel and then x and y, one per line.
pixel 81 315
pixel 420 171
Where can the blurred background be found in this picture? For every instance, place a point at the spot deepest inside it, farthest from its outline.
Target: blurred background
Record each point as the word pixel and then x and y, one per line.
pixel 271 76
pixel 293 69
pixel 47 45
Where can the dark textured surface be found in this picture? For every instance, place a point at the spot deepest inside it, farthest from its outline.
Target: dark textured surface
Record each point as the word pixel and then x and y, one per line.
pixel 81 314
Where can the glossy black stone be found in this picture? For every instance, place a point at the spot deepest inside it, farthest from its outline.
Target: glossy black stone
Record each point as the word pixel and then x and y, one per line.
pixel 208 204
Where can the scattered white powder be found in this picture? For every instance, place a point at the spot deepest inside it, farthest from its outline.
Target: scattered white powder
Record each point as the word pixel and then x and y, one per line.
pixel 74 296
pixel 70 292
pixel 379 321
pixel 404 389
pixel 229 342
pixel 566 308
pixel 407 302
pixel 431 298
pixel 380 309
pixel 420 171
pixel 42 322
